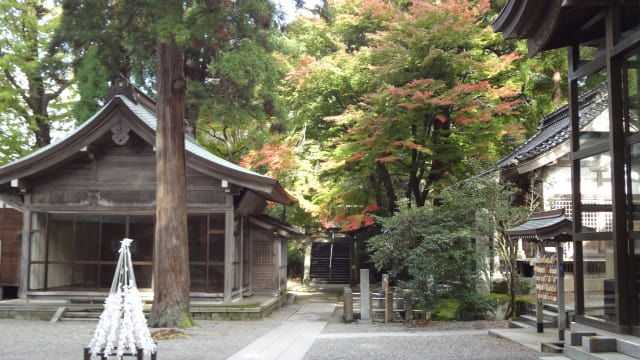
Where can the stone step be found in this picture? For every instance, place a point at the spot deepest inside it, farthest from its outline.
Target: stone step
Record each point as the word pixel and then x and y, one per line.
pixel 518 324
pixel 628 348
pixel 78 319
pixel 551 347
pixel 599 344
pixel 578 353
pixel 533 322
pixel 574 338
pixel 557 357
pixel 554 307
pixel 81 314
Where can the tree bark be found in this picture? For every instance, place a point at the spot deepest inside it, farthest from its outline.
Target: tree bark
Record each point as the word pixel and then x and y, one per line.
pixel 385 178
pixel 171 250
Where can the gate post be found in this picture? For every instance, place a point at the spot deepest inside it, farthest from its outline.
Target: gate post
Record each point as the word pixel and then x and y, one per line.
pixel 408 304
pixel 348 304
pixel 365 297
pixel 388 299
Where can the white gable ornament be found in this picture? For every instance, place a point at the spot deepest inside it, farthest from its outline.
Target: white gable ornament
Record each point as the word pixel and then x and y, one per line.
pixel 122 329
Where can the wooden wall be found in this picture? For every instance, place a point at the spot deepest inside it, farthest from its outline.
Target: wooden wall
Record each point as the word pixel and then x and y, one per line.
pixel 264 257
pixel 10 230
pixel 114 178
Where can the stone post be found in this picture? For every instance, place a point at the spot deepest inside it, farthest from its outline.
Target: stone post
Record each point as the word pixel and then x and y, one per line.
pixel 408 304
pixel 365 297
pixel 388 299
pixel 348 304
pixel 484 259
pixel 306 278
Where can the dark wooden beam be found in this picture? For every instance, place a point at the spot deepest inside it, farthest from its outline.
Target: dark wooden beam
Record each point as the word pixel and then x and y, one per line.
pixel 585 3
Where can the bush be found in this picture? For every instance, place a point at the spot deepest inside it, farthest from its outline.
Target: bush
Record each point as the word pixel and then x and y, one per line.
pixel 498 299
pixel 500 287
pixel 474 307
pixel 446 310
pixel 500 304
pixel 523 286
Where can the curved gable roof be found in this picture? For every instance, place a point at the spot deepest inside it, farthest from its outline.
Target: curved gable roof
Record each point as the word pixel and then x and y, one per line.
pixel 546 225
pixel 554 24
pixel 554 130
pixel 143 122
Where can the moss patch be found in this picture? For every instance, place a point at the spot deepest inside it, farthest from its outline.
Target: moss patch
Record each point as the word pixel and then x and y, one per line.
pixel 446 310
pixel 498 299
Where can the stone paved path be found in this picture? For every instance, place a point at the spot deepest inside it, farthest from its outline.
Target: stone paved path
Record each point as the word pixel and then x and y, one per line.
pixel 292 339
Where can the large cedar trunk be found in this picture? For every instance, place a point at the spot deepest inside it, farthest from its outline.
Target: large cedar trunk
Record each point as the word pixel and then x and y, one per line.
pixel 171 250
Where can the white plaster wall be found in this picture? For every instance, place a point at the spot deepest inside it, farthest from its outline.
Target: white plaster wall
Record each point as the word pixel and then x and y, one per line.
pixel 556 184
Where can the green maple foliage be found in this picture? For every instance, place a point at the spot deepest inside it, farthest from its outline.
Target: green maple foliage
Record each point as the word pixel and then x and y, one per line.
pixel 398 94
pixel 34 80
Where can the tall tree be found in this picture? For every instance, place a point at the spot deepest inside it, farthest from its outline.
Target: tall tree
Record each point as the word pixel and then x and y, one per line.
pixel 171 259
pixel 231 72
pixel 200 76
pixel 171 248
pixel 33 76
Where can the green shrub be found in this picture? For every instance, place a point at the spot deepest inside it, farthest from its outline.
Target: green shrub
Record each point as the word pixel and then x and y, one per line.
pixel 523 286
pixel 474 307
pixel 500 287
pixel 525 300
pixel 498 299
pixel 446 310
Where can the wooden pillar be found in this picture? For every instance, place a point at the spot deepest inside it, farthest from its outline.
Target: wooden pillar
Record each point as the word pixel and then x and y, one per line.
pixel 24 256
pixel 562 316
pixel 539 315
pixel 621 255
pixel 241 255
pixel 229 247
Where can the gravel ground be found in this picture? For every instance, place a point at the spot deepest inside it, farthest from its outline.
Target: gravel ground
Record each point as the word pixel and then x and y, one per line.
pixel 28 339
pixel 25 339
pixel 435 347
pixel 433 341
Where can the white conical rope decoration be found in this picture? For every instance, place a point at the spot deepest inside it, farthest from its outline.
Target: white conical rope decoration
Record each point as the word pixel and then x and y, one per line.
pixel 122 327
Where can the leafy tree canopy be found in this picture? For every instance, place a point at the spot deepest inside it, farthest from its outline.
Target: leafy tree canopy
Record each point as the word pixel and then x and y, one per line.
pixel 34 80
pixel 231 70
pixel 392 96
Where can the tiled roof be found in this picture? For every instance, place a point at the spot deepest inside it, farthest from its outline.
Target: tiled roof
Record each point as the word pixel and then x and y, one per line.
pixel 543 226
pixel 190 144
pixel 266 186
pixel 555 128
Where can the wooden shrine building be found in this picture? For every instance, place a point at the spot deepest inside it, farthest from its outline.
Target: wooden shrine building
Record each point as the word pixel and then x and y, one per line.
pixel 80 196
pixel 603 42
